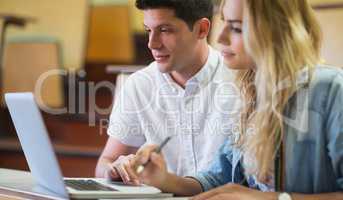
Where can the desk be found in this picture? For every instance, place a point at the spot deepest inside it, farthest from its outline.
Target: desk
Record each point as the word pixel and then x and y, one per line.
pixel 20 185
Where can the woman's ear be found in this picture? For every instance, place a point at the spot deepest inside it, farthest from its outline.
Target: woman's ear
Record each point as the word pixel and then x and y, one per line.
pixel 202 27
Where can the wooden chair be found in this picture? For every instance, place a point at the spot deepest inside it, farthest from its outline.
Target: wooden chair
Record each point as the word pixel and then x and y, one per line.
pixel 28 65
pixel 110 36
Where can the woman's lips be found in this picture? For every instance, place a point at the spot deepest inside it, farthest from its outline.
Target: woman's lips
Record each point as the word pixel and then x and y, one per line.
pixel 227 54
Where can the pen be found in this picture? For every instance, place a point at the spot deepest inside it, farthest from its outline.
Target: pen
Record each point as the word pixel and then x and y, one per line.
pixel 140 168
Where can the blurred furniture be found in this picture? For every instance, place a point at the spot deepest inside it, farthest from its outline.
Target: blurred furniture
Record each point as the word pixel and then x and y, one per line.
pixel 109 36
pixel 8 20
pixel 77 146
pixel 34 64
pixel 123 69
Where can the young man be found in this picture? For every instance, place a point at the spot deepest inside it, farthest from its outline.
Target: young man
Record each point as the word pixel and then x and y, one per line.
pixel 186 93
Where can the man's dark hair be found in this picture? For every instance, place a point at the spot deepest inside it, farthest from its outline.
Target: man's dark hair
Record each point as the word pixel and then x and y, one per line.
pixel 188 10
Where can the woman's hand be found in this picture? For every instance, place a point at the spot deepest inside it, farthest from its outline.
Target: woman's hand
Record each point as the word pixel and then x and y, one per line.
pixel 235 192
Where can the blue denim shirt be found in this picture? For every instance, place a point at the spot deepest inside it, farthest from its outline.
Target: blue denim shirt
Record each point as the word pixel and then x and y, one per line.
pixel 313 141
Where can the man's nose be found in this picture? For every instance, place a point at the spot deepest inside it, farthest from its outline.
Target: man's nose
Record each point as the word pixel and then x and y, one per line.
pixel 154 41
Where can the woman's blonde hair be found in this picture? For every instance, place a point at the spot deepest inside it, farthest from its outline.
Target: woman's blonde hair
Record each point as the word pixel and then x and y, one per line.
pixel 282 37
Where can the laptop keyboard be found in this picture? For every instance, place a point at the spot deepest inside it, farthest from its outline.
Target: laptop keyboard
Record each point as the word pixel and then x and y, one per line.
pixel 87 185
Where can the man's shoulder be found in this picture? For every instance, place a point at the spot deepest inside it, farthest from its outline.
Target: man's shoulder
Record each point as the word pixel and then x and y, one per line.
pixel 150 69
pixel 147 73
pixel 143 81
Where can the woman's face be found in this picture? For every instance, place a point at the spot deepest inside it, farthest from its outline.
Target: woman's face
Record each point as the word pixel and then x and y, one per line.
pixel 231 36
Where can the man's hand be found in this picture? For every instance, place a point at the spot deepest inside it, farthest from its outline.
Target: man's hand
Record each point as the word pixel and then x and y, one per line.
pixel 112 151
pixel 117 170
pixel 125 168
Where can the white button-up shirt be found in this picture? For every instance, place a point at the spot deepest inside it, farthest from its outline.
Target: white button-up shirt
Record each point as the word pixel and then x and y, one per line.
pixel 200 117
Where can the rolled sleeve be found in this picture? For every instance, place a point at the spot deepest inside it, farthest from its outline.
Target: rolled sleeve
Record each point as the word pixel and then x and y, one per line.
pixel 220 171
pixel 124 123
pixel 207 181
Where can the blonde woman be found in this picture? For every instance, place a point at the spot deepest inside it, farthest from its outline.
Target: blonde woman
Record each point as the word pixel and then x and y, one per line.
pixel 290 145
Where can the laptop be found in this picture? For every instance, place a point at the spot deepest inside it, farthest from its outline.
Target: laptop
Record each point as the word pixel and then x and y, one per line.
pixel 43 164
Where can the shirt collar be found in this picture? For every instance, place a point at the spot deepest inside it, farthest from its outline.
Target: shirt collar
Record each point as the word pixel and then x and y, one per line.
pixel 206 73
pixel 302 78
pixel 204 76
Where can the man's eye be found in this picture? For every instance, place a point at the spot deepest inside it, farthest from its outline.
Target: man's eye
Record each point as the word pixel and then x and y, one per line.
pixel 166 30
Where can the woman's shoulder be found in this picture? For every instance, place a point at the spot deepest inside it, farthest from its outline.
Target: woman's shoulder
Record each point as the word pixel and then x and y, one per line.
pixel 326 87
pixel 328 74
pixel 325 78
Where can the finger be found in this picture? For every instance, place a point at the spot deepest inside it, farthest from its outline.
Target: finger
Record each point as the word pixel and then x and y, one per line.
pixel 133 167
pixel 130 157
pixel 122 172
pixel 144 153
pixel 112 174
pixel 130 169
pixel 118 165
pixel 157 159
pixel 133 177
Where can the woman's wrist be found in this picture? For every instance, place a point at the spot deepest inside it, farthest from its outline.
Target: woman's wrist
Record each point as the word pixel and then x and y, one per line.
pixel 169 182
pixel 181 186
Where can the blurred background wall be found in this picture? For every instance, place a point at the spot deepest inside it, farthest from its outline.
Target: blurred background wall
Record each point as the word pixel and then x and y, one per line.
pixel 68 21
pixel 65 20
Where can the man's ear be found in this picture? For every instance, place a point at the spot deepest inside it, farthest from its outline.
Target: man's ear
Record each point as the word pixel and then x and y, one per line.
pixel 202 27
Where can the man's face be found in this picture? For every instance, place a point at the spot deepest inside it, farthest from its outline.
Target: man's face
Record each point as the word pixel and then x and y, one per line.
pixel 170 40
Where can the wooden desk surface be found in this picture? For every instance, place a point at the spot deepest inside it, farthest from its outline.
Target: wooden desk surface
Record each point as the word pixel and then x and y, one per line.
pixel 16 184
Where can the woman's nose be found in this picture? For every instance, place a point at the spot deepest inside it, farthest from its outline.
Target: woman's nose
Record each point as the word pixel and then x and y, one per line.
pixel 224 36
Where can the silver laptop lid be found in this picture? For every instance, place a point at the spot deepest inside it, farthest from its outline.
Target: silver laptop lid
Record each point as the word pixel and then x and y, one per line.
pixel 35 142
